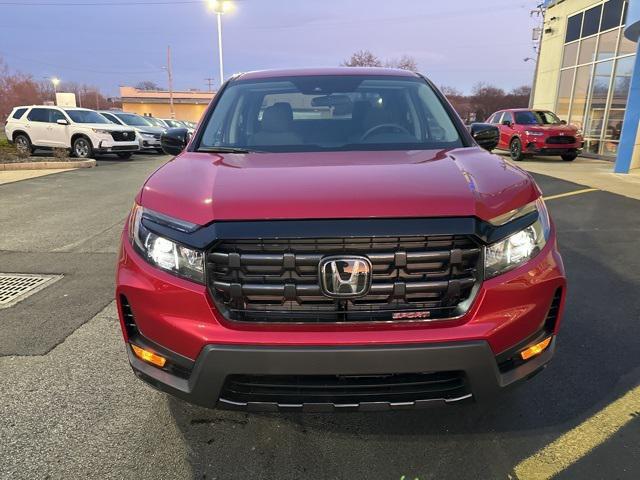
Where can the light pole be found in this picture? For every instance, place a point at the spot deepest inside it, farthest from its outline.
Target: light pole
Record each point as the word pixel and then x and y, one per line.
pixel 219 7
pixel 55 81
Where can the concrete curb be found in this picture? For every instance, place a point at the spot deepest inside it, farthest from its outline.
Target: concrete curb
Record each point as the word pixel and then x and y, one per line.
pixel 48 165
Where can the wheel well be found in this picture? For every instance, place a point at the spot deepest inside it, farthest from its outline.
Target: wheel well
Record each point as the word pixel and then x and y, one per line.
pixel 78 135
pixel 20 132
pixel 515 137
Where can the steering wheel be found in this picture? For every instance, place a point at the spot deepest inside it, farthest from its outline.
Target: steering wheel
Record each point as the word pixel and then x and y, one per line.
pixel 384 125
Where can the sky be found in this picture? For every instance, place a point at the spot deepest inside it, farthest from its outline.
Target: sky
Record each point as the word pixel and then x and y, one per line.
pixel 122 42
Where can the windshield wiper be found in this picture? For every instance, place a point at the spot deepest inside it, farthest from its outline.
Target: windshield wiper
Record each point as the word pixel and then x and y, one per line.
pixel 227 150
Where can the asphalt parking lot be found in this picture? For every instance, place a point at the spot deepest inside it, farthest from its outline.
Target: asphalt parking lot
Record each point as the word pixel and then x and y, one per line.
pixel 71 408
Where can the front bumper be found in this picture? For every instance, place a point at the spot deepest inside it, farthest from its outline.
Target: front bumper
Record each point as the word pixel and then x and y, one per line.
pixel 205 386
pixel 177 318
pixel 536 146
pixel 149 143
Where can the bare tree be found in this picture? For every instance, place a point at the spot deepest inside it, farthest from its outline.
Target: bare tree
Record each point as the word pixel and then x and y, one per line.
pixel 405 62
pixel 362 58
pixel 148 85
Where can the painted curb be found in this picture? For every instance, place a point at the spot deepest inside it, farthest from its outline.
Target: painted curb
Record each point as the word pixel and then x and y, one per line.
pixel 47 165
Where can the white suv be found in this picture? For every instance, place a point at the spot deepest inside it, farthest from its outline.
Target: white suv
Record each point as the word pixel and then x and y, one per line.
pixel 80 130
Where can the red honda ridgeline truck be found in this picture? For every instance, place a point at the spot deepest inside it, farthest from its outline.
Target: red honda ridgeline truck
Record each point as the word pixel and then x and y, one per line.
pixel 336 239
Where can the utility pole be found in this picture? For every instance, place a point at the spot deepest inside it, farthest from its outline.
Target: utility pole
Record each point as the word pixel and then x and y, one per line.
pixel 209 82
pixel 539 12
pixel 170 74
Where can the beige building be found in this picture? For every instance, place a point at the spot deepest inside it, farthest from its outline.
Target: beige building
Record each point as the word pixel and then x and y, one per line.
pixel 187 105
pixel 585 69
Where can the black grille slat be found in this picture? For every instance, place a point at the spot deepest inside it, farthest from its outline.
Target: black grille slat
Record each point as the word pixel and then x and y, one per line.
pixel 121 137
pixel 276 280
pixel 344 389
pixel 561 140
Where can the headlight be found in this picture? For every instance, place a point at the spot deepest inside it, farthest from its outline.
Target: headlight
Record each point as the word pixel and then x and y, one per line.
pixel 519 247
pixel 101 131
pixel 147 135
pixel 531 133
pixel 160 251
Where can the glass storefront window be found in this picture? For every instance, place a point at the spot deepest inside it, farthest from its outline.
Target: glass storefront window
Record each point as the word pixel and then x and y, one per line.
pixel 595 76
pixel 579 103
pixel 614 124
pixel 609 149
pixel 591 23
pixel 564 93
pixel 570 54
pixel 622 82
pixel 587 50
pixel 592 146
pixel 626 46
pixel 574 25
pixel 611 14
pixel 598 98
pixel 607 45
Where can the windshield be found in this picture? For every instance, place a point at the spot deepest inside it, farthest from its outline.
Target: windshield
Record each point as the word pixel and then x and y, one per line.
pixel 174 123
pixel 133 120
pixel 538 117
pixel 330 113
pixel 155 122
pixel 86 116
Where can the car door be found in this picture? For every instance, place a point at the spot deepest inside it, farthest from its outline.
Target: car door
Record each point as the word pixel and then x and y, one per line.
pixel 495 120
pixel 57 134
pixel 36 126
pixel 506 130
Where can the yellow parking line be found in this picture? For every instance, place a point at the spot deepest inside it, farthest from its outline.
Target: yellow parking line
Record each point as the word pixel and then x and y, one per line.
pixel 568 194
pixel 577 443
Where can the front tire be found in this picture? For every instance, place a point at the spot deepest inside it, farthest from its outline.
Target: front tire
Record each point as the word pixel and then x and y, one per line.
pixel 82 148
pixel 125 155
pixel 23 145
pixel 515 149
pixel 569 157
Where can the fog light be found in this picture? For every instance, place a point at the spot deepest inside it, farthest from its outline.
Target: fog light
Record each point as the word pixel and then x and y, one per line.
pixel 536 349
pixel 149 357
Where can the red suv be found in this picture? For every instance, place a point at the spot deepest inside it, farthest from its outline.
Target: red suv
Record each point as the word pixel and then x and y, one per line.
pixel 336 239
pixel 537 132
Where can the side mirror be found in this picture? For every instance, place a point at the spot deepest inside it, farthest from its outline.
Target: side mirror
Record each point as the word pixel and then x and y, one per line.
pixel 563 122
pixel 506 123
pixel 62 121
pixel 174 140
pixel 486 135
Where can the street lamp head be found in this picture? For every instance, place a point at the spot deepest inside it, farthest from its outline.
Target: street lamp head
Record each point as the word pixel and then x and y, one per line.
pixel 220 6
pixel 55 81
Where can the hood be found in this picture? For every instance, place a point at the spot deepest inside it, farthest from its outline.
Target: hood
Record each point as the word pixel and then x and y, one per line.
pixel 553 129
pixel 106 126
pixel 203 187
pixel 151 130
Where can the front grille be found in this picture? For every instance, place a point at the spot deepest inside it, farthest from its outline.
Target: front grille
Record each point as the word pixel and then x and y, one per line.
pixel 277 280
pixel 121 137
pixel 344 389
pixel 561 140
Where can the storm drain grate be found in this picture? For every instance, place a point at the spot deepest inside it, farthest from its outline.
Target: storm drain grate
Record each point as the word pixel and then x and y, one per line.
pixel 15 287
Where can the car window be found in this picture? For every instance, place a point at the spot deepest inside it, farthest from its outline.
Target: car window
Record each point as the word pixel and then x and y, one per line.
pixel 111 118
pixel 38 115
pixel 86 116
pixel 133 120
pixel 547 118
pixel 18 113
pixel 507 117
pixel 495 119
pixel 55 115
pixel 330 113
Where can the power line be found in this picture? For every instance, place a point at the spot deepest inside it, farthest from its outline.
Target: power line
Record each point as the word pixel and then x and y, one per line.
pixel 98 4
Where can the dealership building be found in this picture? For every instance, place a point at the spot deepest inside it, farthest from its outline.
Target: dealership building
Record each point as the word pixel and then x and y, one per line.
pixel 588 72
pixel 187 105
